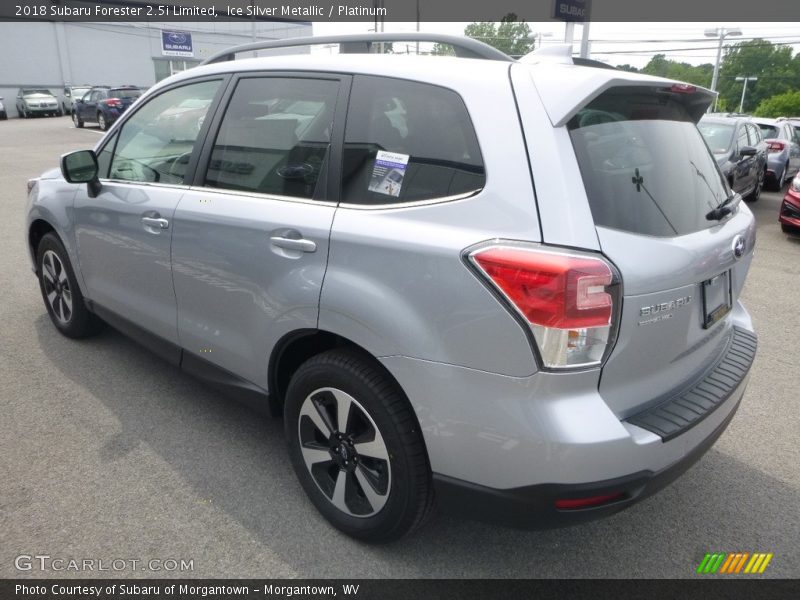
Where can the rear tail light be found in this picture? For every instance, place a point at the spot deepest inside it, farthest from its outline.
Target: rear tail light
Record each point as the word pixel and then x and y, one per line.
pixel 775 146
pixel 115 102
pixel 563 296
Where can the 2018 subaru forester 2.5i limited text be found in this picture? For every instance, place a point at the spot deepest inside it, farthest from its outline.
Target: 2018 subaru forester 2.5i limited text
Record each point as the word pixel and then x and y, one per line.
pixel 538 322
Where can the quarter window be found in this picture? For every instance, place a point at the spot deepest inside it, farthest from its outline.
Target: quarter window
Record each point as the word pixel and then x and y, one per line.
pixel 155 144
pixel 407 141
pixel 275 136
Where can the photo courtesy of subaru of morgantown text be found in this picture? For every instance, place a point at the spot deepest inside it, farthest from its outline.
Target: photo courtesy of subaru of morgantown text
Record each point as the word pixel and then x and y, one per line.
pixel 537 328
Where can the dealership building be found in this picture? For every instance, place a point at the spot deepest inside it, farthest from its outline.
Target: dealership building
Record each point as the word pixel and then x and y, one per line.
pixel 53 55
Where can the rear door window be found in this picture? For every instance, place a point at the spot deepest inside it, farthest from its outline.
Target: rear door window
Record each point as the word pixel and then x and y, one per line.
pixel 644 164
pixel 407 141
pixel 275 136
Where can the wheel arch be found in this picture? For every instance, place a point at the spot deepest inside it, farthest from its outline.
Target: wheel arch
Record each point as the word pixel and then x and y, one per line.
pixel 296 347
pixel 36 231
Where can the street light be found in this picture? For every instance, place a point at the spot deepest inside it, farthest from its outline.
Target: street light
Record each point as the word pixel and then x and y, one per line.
pixel 721 33
pixel 536 38
pixel 744 89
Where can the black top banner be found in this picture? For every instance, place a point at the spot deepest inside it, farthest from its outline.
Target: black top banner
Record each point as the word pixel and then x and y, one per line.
pixel 401 10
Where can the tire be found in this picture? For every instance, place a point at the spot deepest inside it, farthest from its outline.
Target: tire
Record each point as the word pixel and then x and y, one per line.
pixel 756 193
pixel 60 292
pixel 76 120
pixel 101 121
pixel 377 459
pixel 777 183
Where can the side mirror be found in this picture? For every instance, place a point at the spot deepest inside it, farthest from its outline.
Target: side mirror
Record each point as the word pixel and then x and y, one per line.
pixel 81 167
pixel 747 151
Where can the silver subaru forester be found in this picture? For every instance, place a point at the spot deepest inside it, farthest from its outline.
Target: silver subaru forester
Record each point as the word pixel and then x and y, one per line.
pixel 511 286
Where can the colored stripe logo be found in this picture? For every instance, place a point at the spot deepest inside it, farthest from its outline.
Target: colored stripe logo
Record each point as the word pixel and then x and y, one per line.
pixel 734 562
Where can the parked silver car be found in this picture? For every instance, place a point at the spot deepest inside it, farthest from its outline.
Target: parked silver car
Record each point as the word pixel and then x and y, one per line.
pixel 71 94
pixel 783 150
pixel 537 323
pixel 37 101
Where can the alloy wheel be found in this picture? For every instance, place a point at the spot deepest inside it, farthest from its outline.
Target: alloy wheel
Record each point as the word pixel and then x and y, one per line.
pixel 344 452
pixel 56 287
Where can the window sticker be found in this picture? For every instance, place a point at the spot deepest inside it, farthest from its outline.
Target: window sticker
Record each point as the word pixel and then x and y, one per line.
pixel 388 173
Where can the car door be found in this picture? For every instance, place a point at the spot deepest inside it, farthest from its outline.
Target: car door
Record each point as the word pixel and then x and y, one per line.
pixel 88 110
pixel 745 165
pixel 250 239
pixel 123 234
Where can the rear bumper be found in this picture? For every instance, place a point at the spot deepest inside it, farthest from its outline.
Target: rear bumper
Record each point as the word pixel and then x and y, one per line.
pixel 534 507
pixel 505 449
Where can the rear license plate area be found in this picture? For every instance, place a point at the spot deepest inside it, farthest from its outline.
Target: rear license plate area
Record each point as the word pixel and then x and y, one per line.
pixel 716 298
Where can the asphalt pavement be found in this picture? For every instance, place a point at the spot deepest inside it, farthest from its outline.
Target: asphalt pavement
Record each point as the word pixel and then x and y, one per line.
pixel 108 453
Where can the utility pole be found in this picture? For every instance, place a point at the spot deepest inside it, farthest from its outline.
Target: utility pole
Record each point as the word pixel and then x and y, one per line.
pixel 721 33
pixel 744 90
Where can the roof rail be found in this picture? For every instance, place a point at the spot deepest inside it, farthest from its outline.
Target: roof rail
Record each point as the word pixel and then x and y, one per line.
pixel 463 47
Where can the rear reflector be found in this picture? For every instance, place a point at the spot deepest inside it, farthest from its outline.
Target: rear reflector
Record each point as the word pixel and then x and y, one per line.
pixel 562 295
pixel 588 502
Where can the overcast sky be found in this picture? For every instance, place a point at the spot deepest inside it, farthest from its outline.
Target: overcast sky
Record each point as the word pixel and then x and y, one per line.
pixel 617 43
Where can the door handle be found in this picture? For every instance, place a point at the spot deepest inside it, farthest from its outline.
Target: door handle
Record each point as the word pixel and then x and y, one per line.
pixel 156 222
pixel 292 244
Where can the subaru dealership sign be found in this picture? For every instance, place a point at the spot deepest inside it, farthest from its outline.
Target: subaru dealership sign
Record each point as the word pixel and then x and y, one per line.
pixel 571 10
pixel 176 43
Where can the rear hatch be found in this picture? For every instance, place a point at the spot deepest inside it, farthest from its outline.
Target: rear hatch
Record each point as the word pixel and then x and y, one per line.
pixel 126 96
pixel 654 190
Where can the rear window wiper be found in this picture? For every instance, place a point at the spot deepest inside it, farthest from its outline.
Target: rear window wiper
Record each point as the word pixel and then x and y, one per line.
pixel 722 210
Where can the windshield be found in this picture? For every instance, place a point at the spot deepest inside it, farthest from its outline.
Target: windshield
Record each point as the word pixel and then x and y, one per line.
pixel 30 92
pixel 718 136
pixel 78 92
pixel 644 164
pixel 124 93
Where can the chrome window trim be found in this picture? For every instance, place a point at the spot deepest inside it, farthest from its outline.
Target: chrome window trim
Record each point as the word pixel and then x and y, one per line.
pixel 261 196
pixel 412 203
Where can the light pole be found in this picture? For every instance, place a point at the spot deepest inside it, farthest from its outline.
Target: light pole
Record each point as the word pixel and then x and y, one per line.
pixel 721 33
pixel 744 89
pixel 536 38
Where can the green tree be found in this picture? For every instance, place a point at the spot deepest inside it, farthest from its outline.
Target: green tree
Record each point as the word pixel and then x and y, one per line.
pixel 509 35
pixel 777 71
pixel 781 105
pixel 661 66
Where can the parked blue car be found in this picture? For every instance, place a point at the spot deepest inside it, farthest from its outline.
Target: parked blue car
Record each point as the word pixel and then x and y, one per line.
pixel 783 150
pixel 103 105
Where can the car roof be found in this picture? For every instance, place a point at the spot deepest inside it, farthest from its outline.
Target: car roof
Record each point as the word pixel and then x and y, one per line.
pixel 563 87
pixel 765 121
pixel 723 120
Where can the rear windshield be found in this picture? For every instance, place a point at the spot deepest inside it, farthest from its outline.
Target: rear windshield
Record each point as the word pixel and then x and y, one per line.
pixel 718 136
pixel 125 93
pixel 768 131
pixel 644 164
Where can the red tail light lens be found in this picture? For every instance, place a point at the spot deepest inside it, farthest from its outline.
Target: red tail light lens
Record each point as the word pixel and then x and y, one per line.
pixel 775 146
pixel 552 290
pixel 115 102
pixel 562 295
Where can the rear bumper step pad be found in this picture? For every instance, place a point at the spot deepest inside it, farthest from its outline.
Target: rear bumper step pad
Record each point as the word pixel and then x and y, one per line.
pixel 676 415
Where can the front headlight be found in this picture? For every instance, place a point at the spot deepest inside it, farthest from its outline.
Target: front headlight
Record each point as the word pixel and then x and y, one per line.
pixel 796 183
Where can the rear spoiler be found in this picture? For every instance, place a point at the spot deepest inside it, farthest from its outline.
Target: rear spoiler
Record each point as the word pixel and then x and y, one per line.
pixel 565 91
